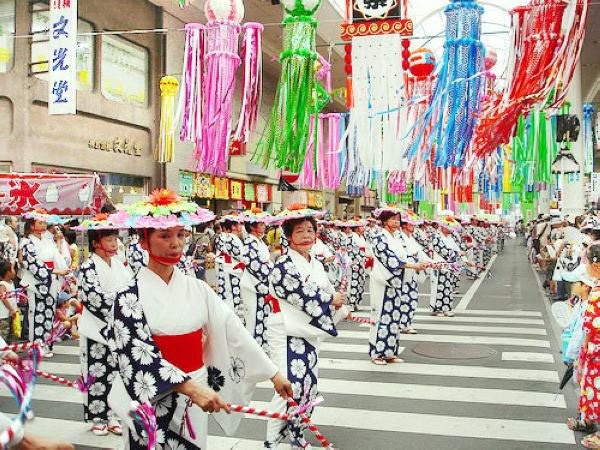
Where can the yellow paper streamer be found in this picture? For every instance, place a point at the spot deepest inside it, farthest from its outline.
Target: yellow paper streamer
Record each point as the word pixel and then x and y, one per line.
pixel 165 152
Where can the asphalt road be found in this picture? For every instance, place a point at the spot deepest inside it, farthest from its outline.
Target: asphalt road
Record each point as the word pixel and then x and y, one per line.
pixel 505 401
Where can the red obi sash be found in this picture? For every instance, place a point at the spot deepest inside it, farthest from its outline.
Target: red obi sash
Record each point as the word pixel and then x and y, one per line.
pixel 274 302
pixel 184 351
pixel 49 264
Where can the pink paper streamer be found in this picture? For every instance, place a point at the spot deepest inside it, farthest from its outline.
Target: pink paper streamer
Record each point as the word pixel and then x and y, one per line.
pixel 308 176
pixel 193 76
pixel 252 80
pixel 221 62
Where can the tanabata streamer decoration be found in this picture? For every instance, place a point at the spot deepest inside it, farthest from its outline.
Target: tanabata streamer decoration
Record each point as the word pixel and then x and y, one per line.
pixel 418 90
pixel 456 96
pixel 287 131
pixel 546 41
pixel 588 137
pixel 376 54
pixel 324 161
pixel 165 151
pixel 211 63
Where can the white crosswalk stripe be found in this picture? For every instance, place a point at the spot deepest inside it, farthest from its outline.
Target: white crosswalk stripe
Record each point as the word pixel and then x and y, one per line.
pixel 490 399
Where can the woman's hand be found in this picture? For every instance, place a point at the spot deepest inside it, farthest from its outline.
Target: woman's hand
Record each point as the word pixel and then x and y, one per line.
pixel 338 299
pixel 282 386
pixel 62 272
pixel 204 397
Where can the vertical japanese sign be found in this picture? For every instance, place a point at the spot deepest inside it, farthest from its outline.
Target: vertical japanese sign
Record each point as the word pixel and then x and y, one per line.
pixel 62 59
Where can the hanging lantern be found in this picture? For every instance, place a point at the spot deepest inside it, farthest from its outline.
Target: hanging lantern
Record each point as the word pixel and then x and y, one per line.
pixel 405 54
pixel 422 62
pixel 165 151
pixel 491 58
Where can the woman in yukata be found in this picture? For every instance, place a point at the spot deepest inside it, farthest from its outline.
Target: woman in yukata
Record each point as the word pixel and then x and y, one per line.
pixel 42 266
pixel 306 311
pixel 100 277
pixel 415 254
pixel 229 263
pixel 361 259
pixel 390 271
pixel 445 280
pixel 255 280
pixel 177 345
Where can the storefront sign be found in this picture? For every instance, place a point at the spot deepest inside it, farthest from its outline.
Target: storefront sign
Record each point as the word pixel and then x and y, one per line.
pixel 314 199
pixel 117 145
pixel 186 184
pixel 221 188
pixel 62 57
pixel 203 187
pixel 263 193
pixel 249 192
pixel 237 189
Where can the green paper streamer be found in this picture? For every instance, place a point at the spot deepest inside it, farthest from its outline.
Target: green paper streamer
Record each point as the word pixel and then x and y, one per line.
pixel 287 132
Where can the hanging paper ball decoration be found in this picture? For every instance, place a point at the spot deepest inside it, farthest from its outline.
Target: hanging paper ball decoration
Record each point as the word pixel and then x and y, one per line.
pixel 224 10
pixel 422 62
pixel 298 8
pixel 490 59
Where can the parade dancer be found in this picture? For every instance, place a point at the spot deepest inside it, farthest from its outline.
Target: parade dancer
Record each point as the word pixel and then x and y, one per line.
pixel 390 269
pixel 444 280
pixel 255 280
pixel 178 346
pixel 42 265
pixel 361 259
pixel 229 264
pixel 323 253
pixel 309 308
pixel 100 277
pixel 410 288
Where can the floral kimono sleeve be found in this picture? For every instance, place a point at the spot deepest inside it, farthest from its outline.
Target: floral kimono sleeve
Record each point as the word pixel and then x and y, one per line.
pixel 440 248
pixel 258 268
pixel 94 298
pixel 37 268
pixel 387 258
pixel 305 295
pixel 146 375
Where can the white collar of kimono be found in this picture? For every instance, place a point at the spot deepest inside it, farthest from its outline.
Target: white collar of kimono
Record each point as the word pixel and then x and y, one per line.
pixel 145 272
pixel 300 261
pixel 98 260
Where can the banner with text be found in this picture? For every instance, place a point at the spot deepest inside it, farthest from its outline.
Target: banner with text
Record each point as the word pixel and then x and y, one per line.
pixel 62 57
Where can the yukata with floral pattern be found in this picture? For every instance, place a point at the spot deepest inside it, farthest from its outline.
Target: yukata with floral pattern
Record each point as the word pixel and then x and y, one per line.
pixel 357 253
pixel 444 281
pixel 137 257
pixel 255 288
pixel 166 333
pixel 410 288
pixel 589 361
pixel 386 283
pixel 40 258
pixel 230 268
pixel 98 285
pixel 305 318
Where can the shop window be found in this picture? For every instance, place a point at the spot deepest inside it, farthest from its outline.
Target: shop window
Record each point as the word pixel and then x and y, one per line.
pixel 125 71
pixel 7 31
pixel 40 25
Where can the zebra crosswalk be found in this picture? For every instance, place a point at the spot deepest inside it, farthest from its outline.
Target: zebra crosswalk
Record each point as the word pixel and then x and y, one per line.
pixel 509 400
